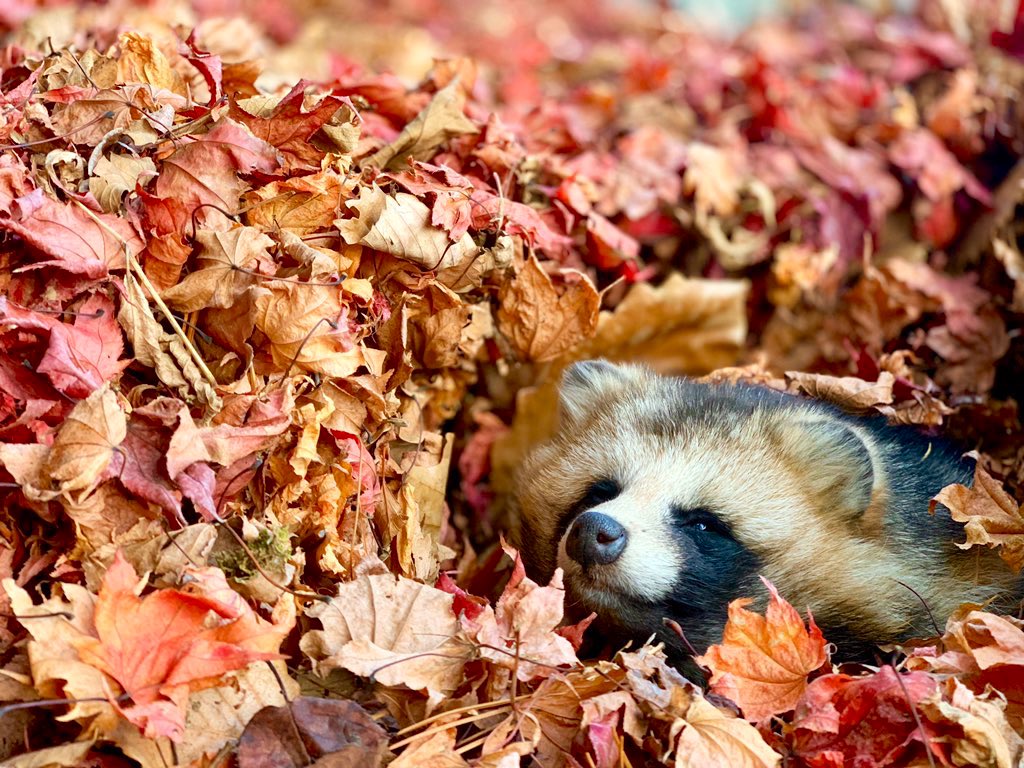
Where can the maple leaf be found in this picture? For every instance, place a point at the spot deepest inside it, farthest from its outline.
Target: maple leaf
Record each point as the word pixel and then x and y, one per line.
pixel 309 326
pixel 74 240
pixel 763 661
pixel 395 629
pixel 442 119
pixel 288 127
pixel 160 647
pixel 81 356
pixel 400 225
pixel 540 321
pixel 843 720
pixel 991 517
pixel 87 441
pixel 206 171
pixel 984 651
pixel 141 61
pixel 975 727
pixel 519 632
pixel 299 204
pixel 848 392
pixel 225 263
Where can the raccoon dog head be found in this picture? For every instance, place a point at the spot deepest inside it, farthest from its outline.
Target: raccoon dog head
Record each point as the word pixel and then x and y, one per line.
pixel 665 498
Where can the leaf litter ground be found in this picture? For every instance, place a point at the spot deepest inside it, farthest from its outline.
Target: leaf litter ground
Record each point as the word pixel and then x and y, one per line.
pixel 283 303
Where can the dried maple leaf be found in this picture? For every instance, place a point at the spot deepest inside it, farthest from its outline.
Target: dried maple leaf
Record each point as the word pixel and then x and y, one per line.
pixel 848 392
pixel 975 727
pixel 701 735
pixel 983 651
pixel 990 515
pixel 397 630
pixel 287 126
pixel 441 120
pixel 763 661
pixel 76 242
pixel 225 267
pixel 311 728
pixel 519 632
pixel 869 721
pixel 160 647
pixel 542 322
pixel 206 171
pixel 401 225
pixel 309 326
pixel 86 442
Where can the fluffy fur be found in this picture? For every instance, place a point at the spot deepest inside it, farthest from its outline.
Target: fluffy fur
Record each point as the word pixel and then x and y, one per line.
pixel 717 484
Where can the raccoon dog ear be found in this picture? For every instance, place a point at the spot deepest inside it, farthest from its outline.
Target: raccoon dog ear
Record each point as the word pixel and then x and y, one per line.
pixel 586 383
pixel 839 461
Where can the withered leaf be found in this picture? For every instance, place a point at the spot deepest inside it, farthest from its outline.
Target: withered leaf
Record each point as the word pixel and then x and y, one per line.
pixel 442 119
pixel 542 322
pixel 220 280
pixel 312 728
pixel 400 225
pixel 86 442
pixel 991 517
pixel 395 629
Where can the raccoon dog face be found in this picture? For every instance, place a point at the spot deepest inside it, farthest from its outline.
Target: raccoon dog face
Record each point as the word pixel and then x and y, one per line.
pixel 666 498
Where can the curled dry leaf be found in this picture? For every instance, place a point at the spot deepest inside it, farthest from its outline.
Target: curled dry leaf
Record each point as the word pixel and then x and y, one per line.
pixel 519 632
pixel 701 735
pixel 442 119
pixel 763 662
pixel 540 321
pixel 396 630
pixel 401 225
pixel 848 392
pixel 990 515
pixel 975 727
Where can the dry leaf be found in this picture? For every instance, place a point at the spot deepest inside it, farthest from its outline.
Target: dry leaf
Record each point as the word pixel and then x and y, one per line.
pixel 991 517
pixel 542 322
pixel 763 661
pixel 394 629
pixel 400 224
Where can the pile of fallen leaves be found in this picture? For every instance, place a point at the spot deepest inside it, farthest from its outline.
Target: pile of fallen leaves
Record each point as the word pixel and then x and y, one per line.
pixel 276 328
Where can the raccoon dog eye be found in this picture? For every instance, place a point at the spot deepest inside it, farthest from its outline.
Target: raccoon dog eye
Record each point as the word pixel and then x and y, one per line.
pixel 599 492
pixel 700 521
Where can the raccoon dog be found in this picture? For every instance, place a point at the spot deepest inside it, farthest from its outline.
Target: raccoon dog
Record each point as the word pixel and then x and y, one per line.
pixel 666 498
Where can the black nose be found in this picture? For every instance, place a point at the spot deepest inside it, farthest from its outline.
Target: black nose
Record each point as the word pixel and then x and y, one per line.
pixel 595 539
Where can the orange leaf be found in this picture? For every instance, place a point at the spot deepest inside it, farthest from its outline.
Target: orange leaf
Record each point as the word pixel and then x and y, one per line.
pixel 763 661
pixel 162 646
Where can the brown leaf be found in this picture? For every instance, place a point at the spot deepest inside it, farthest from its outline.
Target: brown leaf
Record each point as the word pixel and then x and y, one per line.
pixel 519 632
pixel 311 728
pixel 116 176
pixel 140 61
pixel 219 279
pixel 86 442
pixel 395 629
pixel 297 320
pixel 441 120
pixel 980 733
pixel 542 322
pixel 400 224
pixel 848 392
pixel 992 518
